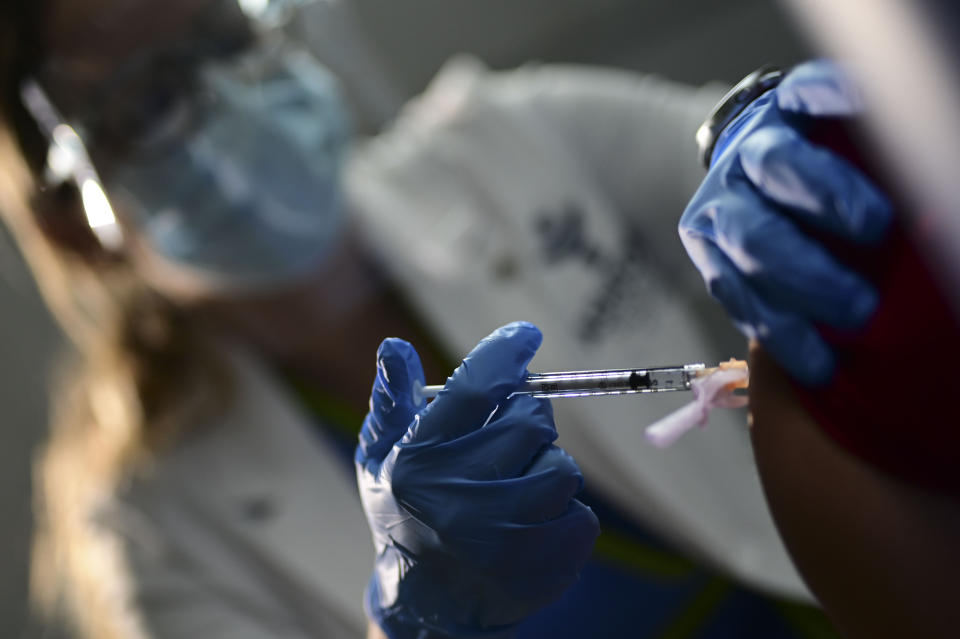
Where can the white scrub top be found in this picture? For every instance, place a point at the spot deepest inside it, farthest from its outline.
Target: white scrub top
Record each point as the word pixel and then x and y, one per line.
pixel 250 527
pixel 552 194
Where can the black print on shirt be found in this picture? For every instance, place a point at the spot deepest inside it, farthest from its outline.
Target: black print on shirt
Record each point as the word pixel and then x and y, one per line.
pixel 618 298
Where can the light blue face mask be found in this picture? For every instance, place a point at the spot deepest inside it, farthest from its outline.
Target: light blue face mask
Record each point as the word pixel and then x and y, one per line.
pixel 251 196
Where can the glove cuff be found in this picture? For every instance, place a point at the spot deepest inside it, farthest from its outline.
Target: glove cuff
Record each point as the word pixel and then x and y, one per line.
pixel 402 621
pixel 730 132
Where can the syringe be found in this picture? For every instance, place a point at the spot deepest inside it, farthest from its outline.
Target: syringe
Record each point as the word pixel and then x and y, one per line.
pixel 626 381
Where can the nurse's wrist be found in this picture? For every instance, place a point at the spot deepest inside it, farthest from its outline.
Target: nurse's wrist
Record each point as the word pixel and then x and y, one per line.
pixel 407 627
pixel 404 620
pixel 410 626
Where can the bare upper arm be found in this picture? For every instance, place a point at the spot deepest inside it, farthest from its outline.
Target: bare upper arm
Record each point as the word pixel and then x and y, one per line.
pixel 882 556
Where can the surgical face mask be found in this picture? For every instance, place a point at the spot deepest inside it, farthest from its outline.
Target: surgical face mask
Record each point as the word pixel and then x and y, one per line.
pixel 250 197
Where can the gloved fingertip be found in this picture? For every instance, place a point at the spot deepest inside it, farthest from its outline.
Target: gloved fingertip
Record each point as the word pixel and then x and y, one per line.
pixel 863 306
pixel 553 458
pixel 501 358
pixel 819 88
pixel 391 400
pixel 398 365
pixel 590 527
pixel 812 363
pixel 596 521
pixel 394 347
pixel 520 330
pixel 874 217
pixel 580 483
pixel 574 468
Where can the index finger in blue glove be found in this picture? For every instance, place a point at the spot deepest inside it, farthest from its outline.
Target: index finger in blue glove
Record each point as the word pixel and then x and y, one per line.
pixel 549 483
pixel 736 239
pixel 790 338
pixel 392 407
pixel 796 345
pixel 487 376
pixel 502 449
pixel 462 510
pixel 818 186
pixel 819 88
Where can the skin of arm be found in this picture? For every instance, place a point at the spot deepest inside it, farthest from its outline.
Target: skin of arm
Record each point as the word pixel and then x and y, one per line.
pixel 374 632
pixel 882 556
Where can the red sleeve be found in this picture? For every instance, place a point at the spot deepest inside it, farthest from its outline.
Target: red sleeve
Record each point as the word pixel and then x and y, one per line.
pixel 895 398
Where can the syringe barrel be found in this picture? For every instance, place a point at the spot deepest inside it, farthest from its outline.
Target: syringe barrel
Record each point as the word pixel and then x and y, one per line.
pixel 608 382
pixel 626 381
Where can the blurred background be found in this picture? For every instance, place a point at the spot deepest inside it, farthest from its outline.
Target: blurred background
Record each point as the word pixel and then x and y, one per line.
pixel 389 51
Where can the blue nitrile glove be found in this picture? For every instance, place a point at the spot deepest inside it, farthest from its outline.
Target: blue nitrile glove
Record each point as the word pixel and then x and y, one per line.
pixel 471 505
pixel 740 229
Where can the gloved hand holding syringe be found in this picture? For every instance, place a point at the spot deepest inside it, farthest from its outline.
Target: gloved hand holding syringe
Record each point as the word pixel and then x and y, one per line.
pixel 712 387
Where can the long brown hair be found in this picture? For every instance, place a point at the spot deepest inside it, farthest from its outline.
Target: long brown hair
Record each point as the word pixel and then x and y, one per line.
pixel 137 369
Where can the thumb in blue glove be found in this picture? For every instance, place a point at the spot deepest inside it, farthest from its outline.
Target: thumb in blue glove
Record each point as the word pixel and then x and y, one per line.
pixel 470 504
pixel 744 228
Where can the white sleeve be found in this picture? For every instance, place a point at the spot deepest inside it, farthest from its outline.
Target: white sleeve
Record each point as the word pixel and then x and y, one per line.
pixel 208 583
pixel 174 603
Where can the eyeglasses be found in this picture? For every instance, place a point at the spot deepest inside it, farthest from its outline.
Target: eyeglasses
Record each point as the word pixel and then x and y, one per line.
pixel 146 106
pixel 68 161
